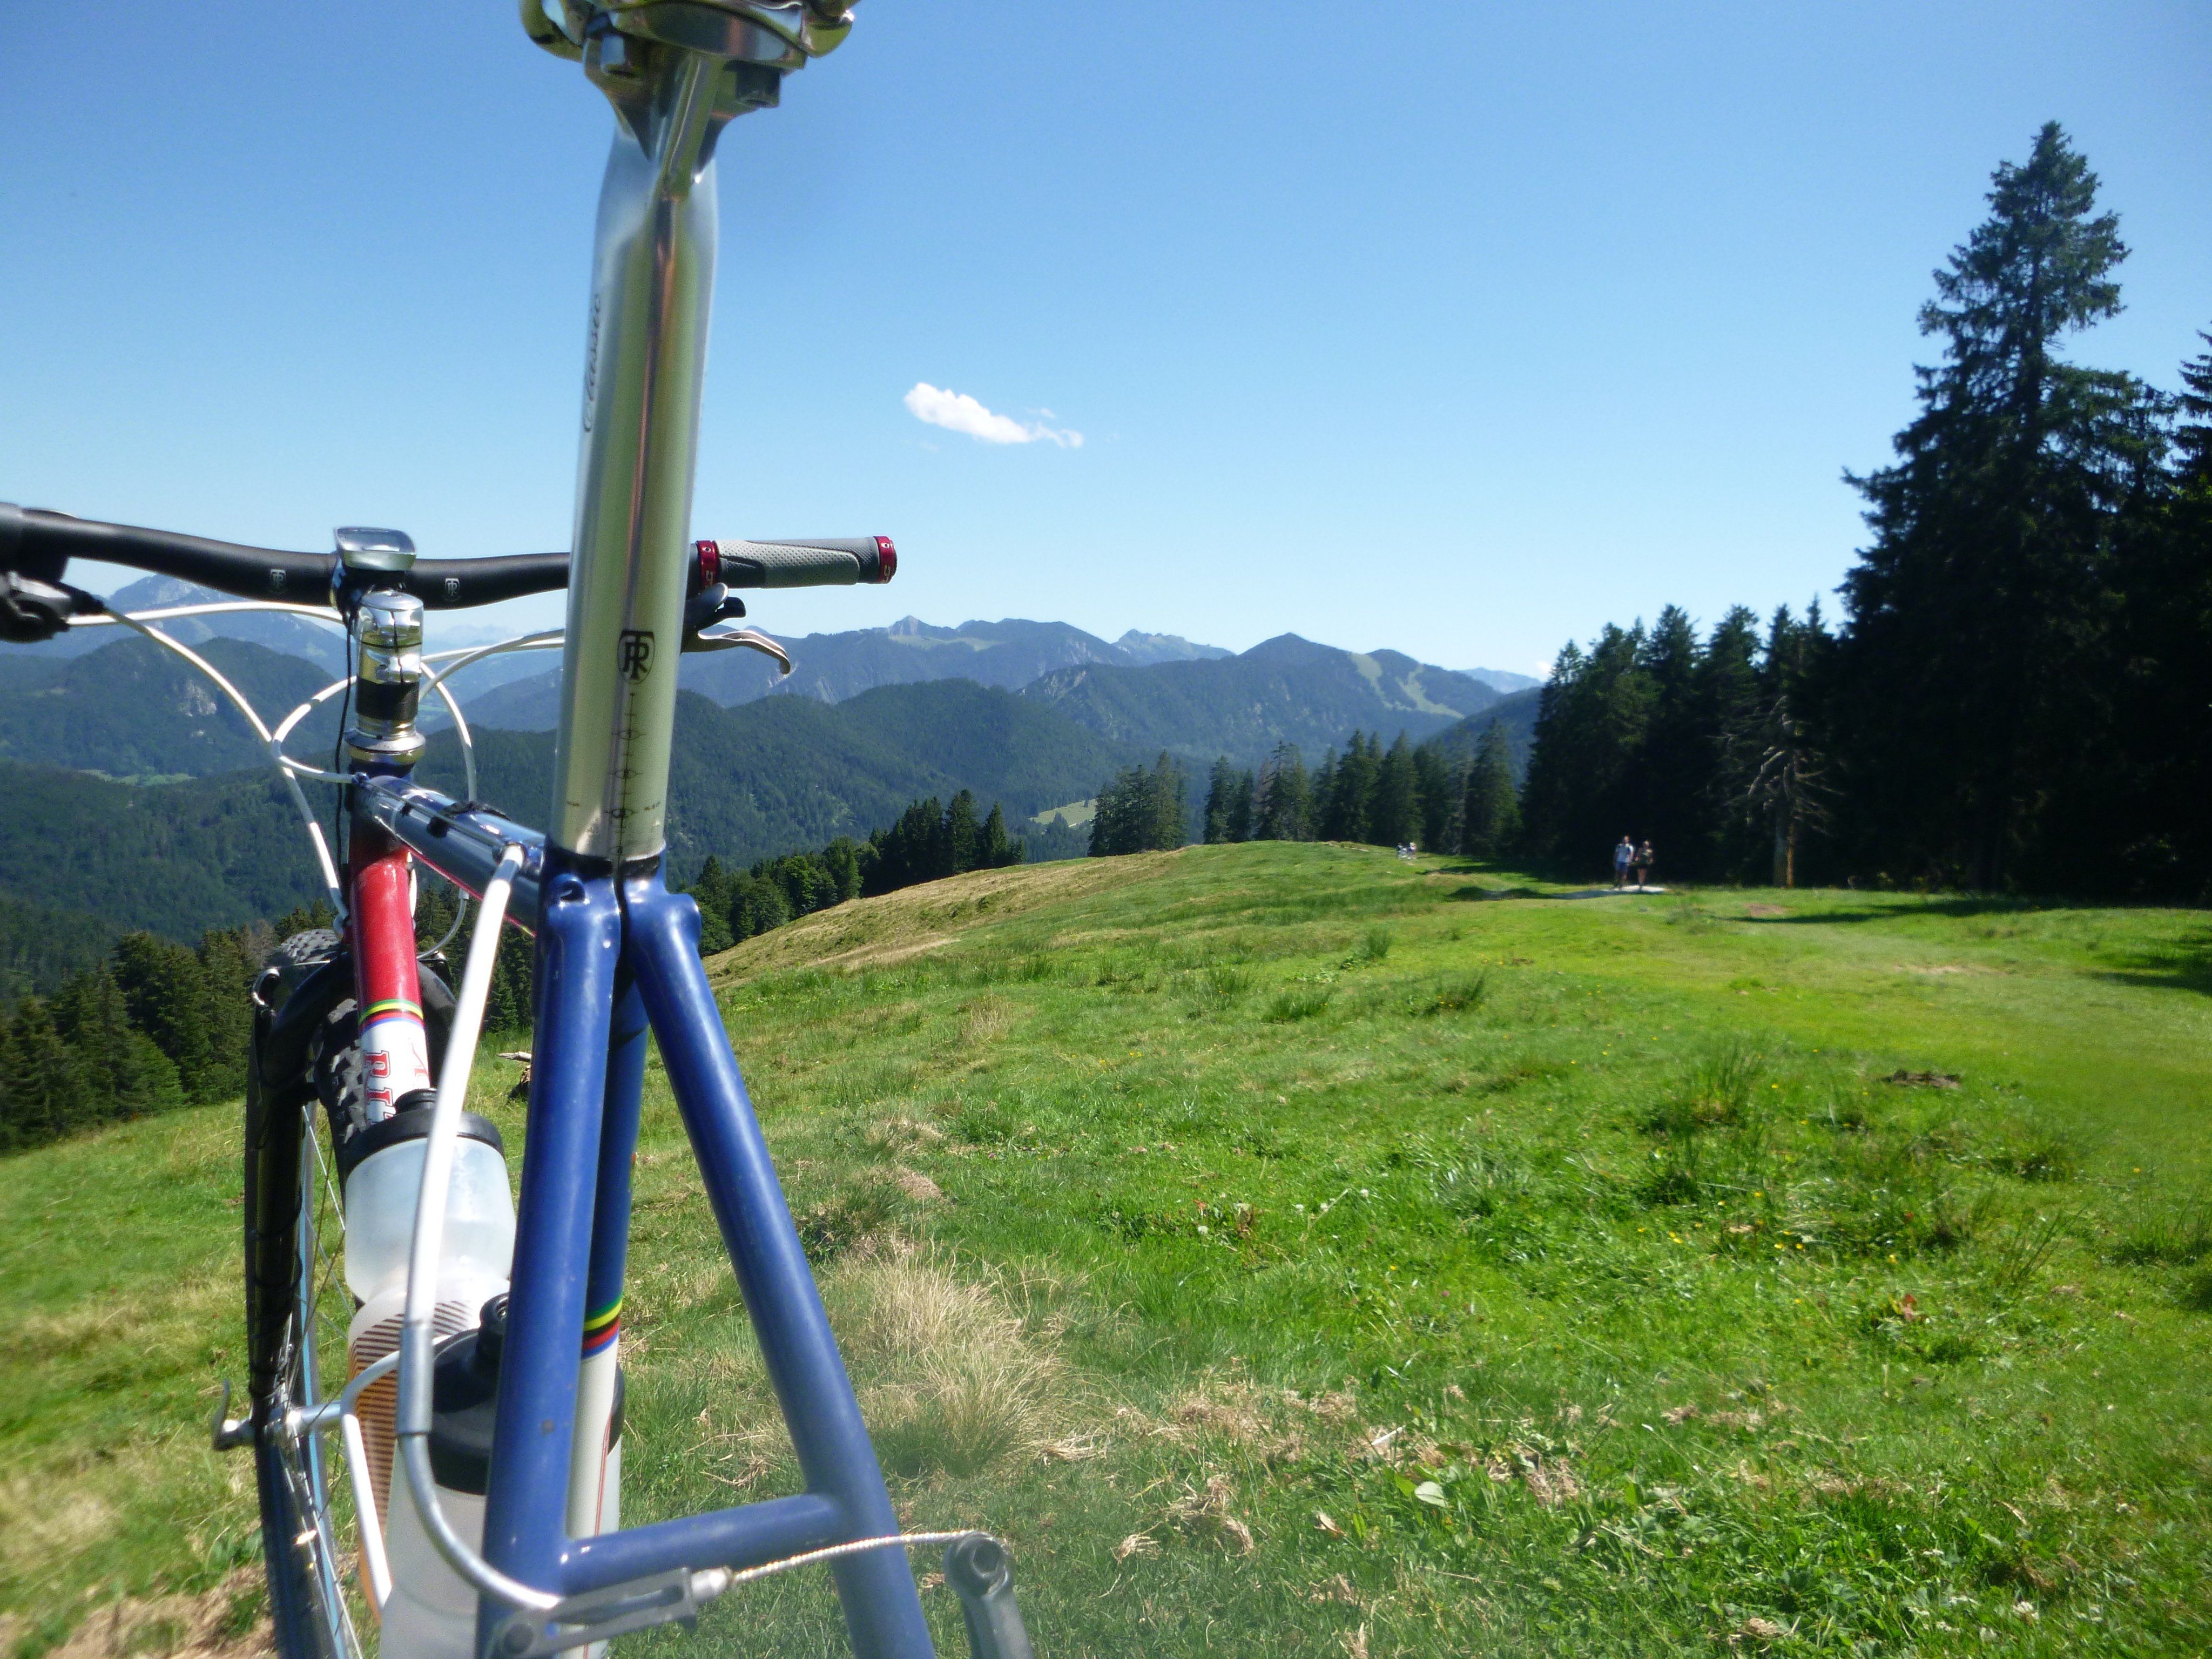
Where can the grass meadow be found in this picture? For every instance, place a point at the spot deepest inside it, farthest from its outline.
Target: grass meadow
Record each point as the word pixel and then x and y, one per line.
pixel 1292 1250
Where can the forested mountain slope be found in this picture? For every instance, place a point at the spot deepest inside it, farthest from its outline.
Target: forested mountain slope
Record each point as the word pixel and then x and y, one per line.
pixel 747 783
pixel 782 773
pixel 1284 689
pixel 178 858
pixel 1517 713
pixel 132 709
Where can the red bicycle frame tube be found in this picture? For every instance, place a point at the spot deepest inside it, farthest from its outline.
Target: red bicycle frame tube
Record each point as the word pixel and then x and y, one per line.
pixel 395 1047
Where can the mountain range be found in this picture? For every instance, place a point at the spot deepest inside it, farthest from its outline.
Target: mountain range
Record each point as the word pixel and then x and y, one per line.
pixel 131 795
pixel 831 667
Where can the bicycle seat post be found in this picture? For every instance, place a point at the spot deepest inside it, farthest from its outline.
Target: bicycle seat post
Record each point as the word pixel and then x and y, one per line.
pixel 675 72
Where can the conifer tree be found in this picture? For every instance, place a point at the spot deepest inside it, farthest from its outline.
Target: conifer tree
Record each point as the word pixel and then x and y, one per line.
pixel 1349 800
pixel 1490 818
pixel 165 989
pixel 998 849
pixel 1972 661
pixel 123 1074
pixel 15 1126
pixel 1220 790
pixel 1282 796
pixel 963 835
pixel 842 856
pixel 1394 816
pixel 1674 808
pixel 1435 789
pixel 47 1095
pixel 1238 824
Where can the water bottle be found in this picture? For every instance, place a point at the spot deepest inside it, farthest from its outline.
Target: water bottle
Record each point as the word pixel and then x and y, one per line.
pixel 432 1614
pixel 382 1171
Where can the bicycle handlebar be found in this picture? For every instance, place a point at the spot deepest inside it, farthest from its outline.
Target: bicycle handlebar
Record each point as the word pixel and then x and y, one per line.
pixel 829 562
pixel 40 545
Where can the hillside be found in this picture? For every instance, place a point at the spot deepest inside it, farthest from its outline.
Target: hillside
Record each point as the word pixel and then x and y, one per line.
pixel 1355 1256
pixel 1286 690
pixel 747 783
pixel 131 709
pixel 177 858
pixel 782 773
pixel 40 947
pixel 1517 712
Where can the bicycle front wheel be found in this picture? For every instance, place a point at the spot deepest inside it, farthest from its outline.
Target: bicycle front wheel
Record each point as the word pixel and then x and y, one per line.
pixel 292 1292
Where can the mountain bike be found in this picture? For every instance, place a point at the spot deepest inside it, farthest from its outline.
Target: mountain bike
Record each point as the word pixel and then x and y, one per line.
pixel 459 1491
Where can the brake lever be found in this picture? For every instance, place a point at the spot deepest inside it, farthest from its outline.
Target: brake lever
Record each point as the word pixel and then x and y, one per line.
pixel 33 611
pixel 751 638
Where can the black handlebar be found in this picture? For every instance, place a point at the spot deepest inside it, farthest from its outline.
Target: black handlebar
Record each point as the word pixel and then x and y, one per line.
pixel 39 545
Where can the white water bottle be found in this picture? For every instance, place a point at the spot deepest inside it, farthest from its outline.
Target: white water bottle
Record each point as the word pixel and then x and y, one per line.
pixel 383 1177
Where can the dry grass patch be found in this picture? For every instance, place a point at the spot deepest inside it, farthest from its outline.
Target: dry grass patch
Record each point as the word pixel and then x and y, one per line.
pixel 989 1019
pixel 1210 1514
pixel 871 932
pixel 904 1135
pixel 950 1380
pixel 222 1623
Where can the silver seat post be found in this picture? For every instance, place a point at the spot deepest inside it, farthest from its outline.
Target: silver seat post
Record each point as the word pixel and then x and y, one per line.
pixel 676 72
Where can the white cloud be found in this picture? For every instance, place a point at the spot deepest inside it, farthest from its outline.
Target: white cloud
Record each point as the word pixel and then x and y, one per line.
pixel 957 411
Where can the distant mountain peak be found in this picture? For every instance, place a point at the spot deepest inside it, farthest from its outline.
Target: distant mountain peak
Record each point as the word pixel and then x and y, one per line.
pixel 1502 679
pixel 1147 648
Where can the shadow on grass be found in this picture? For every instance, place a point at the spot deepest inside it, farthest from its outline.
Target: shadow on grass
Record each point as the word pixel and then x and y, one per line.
pixel 2185 966
pixel 1956 909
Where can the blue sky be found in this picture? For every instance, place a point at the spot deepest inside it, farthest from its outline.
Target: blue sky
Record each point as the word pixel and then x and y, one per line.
pixel 1459 329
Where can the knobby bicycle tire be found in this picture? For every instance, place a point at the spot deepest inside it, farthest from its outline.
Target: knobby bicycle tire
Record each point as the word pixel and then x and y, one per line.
pixel 284 1274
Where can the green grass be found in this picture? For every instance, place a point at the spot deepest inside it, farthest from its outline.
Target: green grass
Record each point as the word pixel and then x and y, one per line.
pixel 1293 1250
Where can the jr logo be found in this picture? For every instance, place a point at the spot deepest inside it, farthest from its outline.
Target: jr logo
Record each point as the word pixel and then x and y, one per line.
pixel 636 654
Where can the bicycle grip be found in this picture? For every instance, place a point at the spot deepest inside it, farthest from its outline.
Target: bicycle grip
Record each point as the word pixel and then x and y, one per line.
pixel 826 561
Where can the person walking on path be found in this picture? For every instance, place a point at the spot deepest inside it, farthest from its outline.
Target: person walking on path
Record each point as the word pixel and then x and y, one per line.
pixel 1623 856
pixel 1643 865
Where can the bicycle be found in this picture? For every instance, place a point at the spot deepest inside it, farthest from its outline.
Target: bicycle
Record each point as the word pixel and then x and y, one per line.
pixel 479 1430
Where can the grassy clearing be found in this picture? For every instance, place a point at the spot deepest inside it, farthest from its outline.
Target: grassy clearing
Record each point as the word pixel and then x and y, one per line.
pixel 1292 1249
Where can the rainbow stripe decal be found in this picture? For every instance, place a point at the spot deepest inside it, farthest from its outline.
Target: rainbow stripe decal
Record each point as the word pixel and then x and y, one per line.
pixel 601 1328
pixel 395 1008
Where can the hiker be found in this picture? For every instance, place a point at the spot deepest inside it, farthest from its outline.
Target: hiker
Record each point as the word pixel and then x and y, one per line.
pixel 1623 856
pixel 1643 865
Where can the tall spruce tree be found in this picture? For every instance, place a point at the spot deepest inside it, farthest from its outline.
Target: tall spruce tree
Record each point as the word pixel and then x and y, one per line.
pixel 1395 817
pixel 1347 797
pixel 46 1094
pixel 1585 784
pixel 1970 666
pixel 1777 769
pixel 1220 788
pixel 1282 806
pixel 2160 756
pixel 1490 814
pixel 1437 790
pixel 1238 824
pixel 1674 808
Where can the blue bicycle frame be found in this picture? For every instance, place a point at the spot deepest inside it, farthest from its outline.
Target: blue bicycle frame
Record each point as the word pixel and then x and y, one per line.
pixel 617 953
pixel 618 957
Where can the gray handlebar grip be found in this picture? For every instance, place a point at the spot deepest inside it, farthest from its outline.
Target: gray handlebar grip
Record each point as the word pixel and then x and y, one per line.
pixel 828 561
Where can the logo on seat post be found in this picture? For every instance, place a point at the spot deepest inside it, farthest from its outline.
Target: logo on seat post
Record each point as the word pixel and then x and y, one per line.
pixel 635 657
